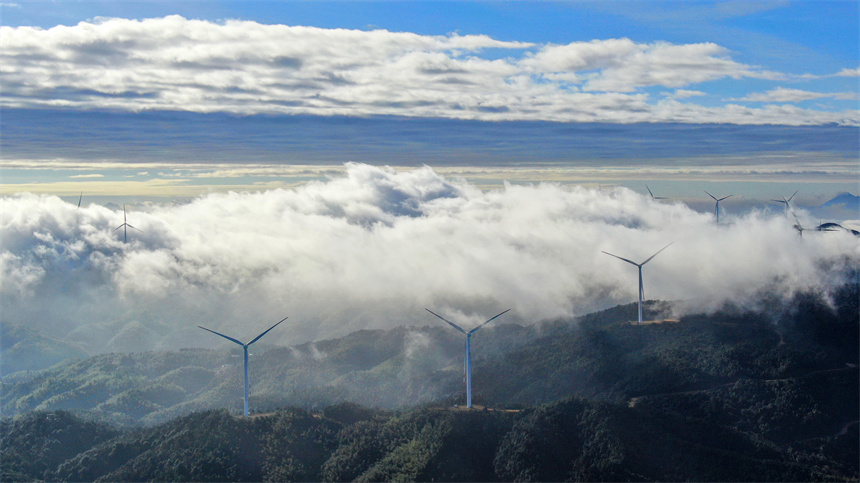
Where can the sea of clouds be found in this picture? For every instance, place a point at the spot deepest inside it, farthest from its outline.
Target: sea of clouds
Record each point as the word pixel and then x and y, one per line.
pixel 373 248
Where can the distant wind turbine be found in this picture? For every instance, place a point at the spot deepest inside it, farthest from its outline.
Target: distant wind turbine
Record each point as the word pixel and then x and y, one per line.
pixel 468 362
pixel 639 265
pixel 245 349
pixel 126 225
pixel 717 207
pixel 800 228
pixel 652 194
pixel 80 198
pixel 787 203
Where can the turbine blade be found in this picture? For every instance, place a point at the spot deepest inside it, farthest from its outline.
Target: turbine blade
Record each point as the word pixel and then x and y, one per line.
pixel 712 196
pixel 796 220
pixel 452 324
pixel 654 255
pixel 222 335
pixel 620 258
pixel 117 228
pixel 725 197
pixel 778 201
pixel 488 321
pixel 267 331
pixel 790 197
pixel 649 191
pixel 80 198
pixel 138 229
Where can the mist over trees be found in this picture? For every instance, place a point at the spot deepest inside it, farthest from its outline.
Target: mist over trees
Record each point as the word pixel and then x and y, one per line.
pixel 734 395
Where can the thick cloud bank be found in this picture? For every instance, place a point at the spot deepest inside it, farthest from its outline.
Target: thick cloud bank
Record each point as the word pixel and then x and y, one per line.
pixel 372 249
pixel 174 63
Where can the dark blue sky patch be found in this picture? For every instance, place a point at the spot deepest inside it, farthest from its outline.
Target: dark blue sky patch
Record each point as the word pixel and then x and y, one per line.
pixel 185 137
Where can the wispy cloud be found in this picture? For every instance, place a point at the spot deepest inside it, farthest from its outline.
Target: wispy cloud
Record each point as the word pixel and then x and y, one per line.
pixel 246 67
pixel 781 94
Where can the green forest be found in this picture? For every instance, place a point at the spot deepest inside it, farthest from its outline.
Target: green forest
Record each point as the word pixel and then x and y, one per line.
pixel 737 395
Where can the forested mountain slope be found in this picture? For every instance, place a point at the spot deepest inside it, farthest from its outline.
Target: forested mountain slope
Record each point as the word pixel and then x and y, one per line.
pixel 570 439
pixel 736 395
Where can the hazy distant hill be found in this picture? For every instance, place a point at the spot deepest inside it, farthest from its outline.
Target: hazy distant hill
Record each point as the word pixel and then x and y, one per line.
pixel 27 349
pixel 844 206
pixel 844 200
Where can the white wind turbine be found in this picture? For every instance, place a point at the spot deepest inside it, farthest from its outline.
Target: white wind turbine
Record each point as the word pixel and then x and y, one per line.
pixel 717 207
pixel 639 265
pixel 787 203
pixel 124 224
pixel 245 349
pixel 468 363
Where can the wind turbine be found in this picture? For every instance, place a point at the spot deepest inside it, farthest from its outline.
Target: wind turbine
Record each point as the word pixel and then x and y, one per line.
pixel 787 203
pixel 800 228
pixel 717 207
pixel 126 225
pixel 80 198
pixel 641 286
pixel 652 194
pixel 468 363
pixel 245 349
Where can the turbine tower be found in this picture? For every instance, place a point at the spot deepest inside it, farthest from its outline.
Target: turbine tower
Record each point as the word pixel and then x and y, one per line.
pixel 652 194
pixel 126 225
pixel 245 349
pixel 717 207
pixel 468 363
pixel 639 265
pixel 787 203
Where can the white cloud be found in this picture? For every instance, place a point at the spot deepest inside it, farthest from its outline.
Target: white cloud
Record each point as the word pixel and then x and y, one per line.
pixel 245 67
pixel 623 65
pixel 781 94
pixel 684 94
pixel 849 73
pixel 374 247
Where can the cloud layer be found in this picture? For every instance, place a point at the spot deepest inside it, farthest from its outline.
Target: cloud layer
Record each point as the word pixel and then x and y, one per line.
pixel 173 63
pixel 372 249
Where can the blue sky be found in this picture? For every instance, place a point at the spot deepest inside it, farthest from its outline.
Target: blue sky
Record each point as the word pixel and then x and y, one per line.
pixel 434 67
